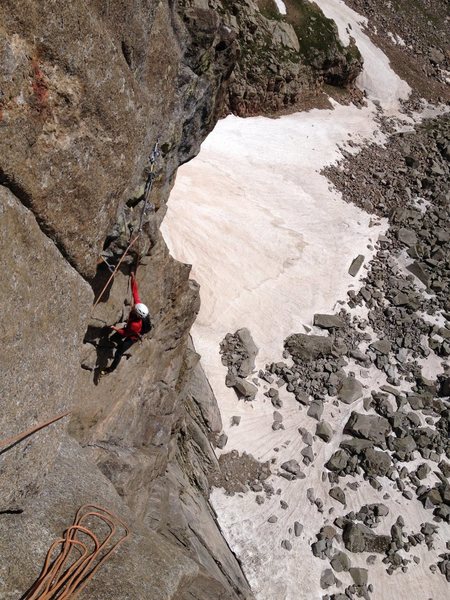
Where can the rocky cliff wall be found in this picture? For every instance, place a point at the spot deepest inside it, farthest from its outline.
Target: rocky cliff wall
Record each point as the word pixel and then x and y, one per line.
pixel 284 58
pixel 86 89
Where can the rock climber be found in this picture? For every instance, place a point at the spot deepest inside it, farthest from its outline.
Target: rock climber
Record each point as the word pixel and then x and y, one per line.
pixel 125 337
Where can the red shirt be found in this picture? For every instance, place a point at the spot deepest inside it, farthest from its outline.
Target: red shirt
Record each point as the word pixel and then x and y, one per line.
pixel 134 324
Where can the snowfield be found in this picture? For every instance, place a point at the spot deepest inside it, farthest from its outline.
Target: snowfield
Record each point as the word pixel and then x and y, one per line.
pixel 271 243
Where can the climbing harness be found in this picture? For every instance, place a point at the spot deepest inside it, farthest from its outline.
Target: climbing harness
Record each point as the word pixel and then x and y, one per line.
pixel 6 444
pixel 148 188
pixel 81 553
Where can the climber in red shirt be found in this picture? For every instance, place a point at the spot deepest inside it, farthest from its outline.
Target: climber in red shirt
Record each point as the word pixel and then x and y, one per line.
pixel 126 336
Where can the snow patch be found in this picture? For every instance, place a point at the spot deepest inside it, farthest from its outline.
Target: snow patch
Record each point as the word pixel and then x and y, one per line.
pixel 281 7
pixel 379 81
pixel 394 37
pixel 271 241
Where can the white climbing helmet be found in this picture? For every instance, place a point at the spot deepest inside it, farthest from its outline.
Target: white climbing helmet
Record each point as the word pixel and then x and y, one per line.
pixel 141 310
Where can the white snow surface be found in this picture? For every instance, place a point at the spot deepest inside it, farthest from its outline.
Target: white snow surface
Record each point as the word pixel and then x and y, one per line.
pixel 281 6
pixel 396 39
pixel 271 242
pixel 380 82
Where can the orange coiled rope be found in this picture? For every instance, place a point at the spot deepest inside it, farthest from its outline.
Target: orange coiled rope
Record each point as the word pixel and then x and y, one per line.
pixel 73 560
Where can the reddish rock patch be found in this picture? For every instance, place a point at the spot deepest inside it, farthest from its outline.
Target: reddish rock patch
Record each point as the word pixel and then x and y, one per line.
pixel 39 86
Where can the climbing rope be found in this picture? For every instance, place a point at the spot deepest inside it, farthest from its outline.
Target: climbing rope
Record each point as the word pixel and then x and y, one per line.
pixel 147 190
pixel 113 274
pixel 149 183
pixel 81 553
pixel 5 444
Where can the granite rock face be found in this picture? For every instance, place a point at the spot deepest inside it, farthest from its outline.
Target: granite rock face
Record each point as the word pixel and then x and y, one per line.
pixel 39 358
pixel 86 89
pixel 146 566
pixel 145 428
pixel 83 99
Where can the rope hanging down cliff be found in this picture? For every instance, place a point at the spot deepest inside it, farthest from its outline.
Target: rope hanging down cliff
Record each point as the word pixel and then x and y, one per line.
pixel 147 190
pixel 7 443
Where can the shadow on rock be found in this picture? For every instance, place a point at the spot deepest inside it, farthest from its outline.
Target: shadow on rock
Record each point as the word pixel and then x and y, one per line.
pixel 100 337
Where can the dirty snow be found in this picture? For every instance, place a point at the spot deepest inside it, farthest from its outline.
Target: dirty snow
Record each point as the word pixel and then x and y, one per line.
pixel 270 243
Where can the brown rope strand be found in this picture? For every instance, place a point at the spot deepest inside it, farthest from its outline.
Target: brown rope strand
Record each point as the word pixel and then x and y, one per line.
pixel 64 577
pixel 20 436
pixel 147 191
pixel 113 274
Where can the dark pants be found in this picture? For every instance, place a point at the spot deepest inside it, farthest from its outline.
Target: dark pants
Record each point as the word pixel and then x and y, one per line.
pixel 122 345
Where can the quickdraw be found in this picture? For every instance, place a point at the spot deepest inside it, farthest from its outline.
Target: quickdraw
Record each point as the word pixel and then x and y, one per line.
pixel 147 190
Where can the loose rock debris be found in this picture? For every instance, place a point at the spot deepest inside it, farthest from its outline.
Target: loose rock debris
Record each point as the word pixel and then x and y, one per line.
pixel 396 436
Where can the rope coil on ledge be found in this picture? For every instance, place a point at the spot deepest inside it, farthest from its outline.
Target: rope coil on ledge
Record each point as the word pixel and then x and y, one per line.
pixel 73 560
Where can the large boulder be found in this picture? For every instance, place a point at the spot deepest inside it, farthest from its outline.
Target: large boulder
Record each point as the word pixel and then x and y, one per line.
pixel 359 538
pixel 245 389
pixel 407 236
pixel 238 352
pixel 292 467
pixel 370 427
pixel 338 461
pixel 444 388
pixel 357 263
pixel 383 346
pixel 338 494
pixel 360 576
pixel 250 351
pixel 340 562
pixel 306 348
pixel 356 445
pixel 324 431
pixel 327 579
pixel 376 463
pixel 284 34
pixel 419 270
pixel 351 390
pixel 315 409
pixel 328 321
pixel 404 445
